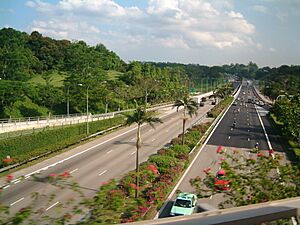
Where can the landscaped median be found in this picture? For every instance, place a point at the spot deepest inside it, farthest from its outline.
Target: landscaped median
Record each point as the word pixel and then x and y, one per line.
pixel 23 148
pixel 116 202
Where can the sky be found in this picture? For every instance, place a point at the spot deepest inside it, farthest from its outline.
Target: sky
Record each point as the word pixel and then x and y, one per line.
pixel 206 32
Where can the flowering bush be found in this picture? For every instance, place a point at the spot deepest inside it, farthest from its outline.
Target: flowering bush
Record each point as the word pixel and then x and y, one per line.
pixel 250 181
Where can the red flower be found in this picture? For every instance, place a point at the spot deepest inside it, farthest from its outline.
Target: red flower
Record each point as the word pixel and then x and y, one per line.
pixel 219 163
pixel 222 184
pixel 7 160
pixel 219 150
pixel 133 186
pixel 222 159
pixel 104 183
pixel 65 174
pixel 260 154
pixel 153 169
pixel 9 177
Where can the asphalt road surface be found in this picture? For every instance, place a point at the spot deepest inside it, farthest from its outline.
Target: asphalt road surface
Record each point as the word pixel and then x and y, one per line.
pixel 241 137
pixel 90 165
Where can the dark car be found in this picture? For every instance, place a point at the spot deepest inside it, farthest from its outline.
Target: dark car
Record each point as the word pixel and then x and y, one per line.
pixel 201 104
pixel 213 102
pixel 203 99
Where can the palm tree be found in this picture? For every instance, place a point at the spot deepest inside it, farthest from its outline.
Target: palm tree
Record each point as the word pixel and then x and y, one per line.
pixel 190 107
pixel 140 116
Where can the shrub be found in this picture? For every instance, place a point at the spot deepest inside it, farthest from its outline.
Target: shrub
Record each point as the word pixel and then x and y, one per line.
pixel 163 162
pixel 180 150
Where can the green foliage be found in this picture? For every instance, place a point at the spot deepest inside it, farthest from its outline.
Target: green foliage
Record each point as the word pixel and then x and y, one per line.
pixel 252 180
pixel 50 140
pixel 163 162
pixel 25 108
pixel 214 112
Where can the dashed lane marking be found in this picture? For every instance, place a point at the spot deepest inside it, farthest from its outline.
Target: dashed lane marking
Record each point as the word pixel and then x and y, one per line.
pixel 103 172
pixel 109 151
pixel 17 201
pixel 52 206
pixel 132 153
pixel 74 170
pixel 7 186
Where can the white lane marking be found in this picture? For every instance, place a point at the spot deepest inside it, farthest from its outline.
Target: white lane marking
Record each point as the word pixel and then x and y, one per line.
pixel 7 186
pixel 88 149
pixel 109 151
pixel 248 139
pixel 231 128
pixel 228 137
pixel 132 153
pixel 248 130
pixel 17 181
pixel 16 201
pixel 26 177
pixel 263 127
pixel 103 172
pixel 153 139
pixel 210 197
pixel 52 206
pixel 74 170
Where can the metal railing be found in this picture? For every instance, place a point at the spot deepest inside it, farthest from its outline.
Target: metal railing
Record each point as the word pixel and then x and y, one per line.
pixel 250 214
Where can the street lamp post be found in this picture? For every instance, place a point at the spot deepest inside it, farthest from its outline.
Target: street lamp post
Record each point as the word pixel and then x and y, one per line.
pixel 68 101
pixel 87 108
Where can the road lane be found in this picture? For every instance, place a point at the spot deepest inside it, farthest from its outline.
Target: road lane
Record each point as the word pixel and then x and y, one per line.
pixel 117 162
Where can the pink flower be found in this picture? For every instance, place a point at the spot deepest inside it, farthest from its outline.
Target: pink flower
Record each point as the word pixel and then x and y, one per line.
pixel 222 159
pixel 9 177
pixel 133 186
pixel 52 175
pixel 219 149
pixel 207 170
pixel 219 163
pixel 153 169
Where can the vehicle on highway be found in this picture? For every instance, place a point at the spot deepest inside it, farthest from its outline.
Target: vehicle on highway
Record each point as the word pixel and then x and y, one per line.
pixel 203 99
pixel 201 104
pixel 213 102
pixel 261 103
pixel 234 103
pixel 185 204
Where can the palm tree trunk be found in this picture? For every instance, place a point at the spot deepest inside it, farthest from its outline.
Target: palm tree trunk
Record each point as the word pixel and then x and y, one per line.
pixel 183 129
pixel 183 124
pixel 138 145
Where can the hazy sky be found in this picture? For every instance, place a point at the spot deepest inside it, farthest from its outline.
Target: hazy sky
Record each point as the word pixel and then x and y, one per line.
pixel 210 32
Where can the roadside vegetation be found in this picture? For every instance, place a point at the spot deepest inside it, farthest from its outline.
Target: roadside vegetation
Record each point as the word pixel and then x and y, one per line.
pixel 49 141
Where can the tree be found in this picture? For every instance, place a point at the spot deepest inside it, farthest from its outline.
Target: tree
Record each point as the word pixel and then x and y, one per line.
pixel 140 116
pixel 251 179
pixel 190 107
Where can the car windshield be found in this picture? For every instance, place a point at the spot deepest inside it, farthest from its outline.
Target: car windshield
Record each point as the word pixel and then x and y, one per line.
pixel 183 203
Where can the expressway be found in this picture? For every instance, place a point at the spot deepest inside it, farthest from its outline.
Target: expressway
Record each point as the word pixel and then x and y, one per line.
pixel 240 137
pixel 90 165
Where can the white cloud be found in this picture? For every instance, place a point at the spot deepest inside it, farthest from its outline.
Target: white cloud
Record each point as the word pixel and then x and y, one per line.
pixel 272 49
pixel 170 23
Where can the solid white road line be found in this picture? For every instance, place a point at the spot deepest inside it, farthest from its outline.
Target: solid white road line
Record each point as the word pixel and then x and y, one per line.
pixel 17 181
pixel 7 186
pixel 16 201
pixel 103 172
pixel 263 127
pixel 52 206
pixel 74 170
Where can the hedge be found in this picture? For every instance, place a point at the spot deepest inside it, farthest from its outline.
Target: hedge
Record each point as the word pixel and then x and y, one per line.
pixel 214 112
pixel 23 148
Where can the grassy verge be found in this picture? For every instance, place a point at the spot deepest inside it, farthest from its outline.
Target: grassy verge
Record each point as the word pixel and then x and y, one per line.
pixel 292 145
pixel 48 141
